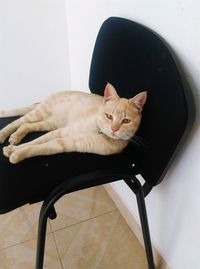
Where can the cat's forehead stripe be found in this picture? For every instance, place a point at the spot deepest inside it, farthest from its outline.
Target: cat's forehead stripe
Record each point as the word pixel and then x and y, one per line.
pixel 122 107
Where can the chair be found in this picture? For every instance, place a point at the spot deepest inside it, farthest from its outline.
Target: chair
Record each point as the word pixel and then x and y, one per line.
pixel 132 58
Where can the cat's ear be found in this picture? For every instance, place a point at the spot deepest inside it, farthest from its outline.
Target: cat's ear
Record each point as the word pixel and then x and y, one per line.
pixel 139 100
pixel 110 93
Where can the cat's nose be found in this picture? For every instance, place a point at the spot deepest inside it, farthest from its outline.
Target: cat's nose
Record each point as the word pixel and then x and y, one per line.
pixel 114 129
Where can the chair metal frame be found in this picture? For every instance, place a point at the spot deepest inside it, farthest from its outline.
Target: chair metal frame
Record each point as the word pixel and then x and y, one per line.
pixel 86 181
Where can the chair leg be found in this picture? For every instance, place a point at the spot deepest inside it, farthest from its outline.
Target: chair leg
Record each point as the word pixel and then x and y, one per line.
pixel 42 226
pixel 145 227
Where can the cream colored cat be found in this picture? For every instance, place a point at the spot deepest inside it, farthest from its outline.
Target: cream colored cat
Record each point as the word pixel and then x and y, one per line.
pixel 77 121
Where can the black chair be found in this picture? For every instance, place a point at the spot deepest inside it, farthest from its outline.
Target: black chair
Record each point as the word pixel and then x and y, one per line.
pixel 133 59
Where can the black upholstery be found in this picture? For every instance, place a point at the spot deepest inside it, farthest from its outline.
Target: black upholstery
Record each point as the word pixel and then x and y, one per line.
pixel 133 59
pixel 33 179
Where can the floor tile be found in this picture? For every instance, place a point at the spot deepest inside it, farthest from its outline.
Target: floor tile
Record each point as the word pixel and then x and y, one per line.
pixel 89 233
pixel 81 205
pixel 124 250
pixel 22 256
pixel 19 225
pixel 82 246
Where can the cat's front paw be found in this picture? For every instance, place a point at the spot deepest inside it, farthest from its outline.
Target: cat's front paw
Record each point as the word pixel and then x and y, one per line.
pixel 14 157
pixel 14 139
pixel 2 137
pixel 7 151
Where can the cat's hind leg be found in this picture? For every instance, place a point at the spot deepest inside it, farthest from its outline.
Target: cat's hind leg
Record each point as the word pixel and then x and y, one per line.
pixel 29 127
pixel 9 129
pixel 40 113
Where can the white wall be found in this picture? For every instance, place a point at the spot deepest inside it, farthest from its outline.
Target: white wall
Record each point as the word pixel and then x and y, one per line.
pixel 34 62
pixel 33 50
pixel 173 207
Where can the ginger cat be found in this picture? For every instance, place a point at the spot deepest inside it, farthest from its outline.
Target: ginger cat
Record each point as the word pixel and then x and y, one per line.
pixel 76 121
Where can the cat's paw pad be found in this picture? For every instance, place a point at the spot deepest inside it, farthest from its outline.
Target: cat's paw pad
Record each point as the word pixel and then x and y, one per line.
pixel 7 151
pixel 14 139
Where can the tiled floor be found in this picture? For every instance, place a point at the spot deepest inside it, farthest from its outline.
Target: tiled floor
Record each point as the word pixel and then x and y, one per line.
pixel 89 233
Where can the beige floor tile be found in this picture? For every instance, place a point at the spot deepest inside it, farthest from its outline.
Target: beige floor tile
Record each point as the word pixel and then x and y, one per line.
pixel 22 256
pixel 124 250
pixel 81 205
pixel 90 233
pixel 19 225
pixel 82 246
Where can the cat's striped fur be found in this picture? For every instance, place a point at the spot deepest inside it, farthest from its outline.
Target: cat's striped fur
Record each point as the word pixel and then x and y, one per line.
pixel 76 121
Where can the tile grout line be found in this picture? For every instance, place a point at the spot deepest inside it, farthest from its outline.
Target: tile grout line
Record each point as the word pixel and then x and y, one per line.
pixel 111 236
pixel 68 226
pixel 24 241
pixel 52 231
pixel 57 249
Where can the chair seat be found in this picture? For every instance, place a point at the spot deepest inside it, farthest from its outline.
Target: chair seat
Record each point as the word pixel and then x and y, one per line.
pixel 33 179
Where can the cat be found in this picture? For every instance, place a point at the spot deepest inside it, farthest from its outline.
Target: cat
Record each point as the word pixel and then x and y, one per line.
pixel 77 122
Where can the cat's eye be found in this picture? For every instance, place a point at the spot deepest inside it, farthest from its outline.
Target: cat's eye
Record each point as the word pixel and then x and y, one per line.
pixel 110 117
pixel 126 121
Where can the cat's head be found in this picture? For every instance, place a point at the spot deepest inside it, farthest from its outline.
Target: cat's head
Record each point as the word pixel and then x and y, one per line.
pixel 120 118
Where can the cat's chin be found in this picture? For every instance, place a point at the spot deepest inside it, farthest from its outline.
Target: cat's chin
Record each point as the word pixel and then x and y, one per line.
pixel 116 137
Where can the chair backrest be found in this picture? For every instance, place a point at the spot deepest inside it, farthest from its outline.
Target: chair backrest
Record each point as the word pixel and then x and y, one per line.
pixel 133 59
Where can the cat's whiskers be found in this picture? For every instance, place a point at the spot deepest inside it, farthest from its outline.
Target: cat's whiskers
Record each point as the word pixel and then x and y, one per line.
pixel 138 141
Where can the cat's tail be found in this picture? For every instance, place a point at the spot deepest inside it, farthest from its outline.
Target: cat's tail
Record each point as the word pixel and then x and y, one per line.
pixel 17 112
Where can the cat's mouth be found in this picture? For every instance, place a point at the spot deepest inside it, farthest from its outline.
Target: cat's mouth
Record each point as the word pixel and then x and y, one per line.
pixel 120 136
pixel 110 135
pixel 115 136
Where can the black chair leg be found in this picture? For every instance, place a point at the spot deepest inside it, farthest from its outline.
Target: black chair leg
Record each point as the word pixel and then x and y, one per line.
pixel 145 227
pixel 42 226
